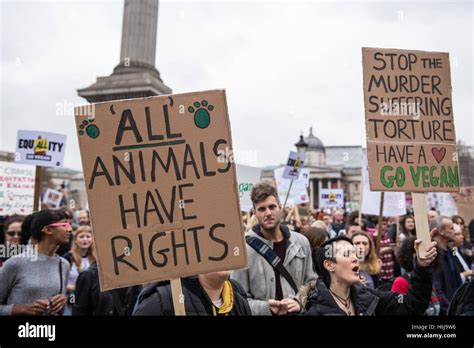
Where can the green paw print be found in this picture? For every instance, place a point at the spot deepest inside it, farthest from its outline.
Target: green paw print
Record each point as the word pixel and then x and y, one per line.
pixel 202 118
pixel 90 129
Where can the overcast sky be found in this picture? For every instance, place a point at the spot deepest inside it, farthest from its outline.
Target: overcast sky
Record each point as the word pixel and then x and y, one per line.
pixel 286 66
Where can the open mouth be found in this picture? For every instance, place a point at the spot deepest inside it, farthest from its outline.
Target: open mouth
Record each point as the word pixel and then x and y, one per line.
pixel 355 269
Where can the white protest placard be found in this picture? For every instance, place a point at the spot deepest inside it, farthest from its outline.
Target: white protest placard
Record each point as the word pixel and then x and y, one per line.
pixel 331 198
pixel 247 178
pixel 443 202
pixel 394 202
pixel 305 176
pixel 17 185
pixel 40 148
pixel 298 192
pixel 294 165
pixel 53 198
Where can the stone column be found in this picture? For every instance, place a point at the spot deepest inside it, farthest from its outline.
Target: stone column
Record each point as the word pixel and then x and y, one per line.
pixel 320 186
pixel 139 28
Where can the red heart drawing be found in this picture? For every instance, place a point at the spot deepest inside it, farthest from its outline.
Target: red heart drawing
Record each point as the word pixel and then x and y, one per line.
pixel 438 153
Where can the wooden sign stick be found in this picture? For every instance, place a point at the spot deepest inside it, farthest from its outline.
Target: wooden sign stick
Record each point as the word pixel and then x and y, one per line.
pixel 361 200
pixel 290 213
pixel 288 193
pixel 297 213
pixel 397 237
pixel 421 222
pixel 178 297
pixel 379 227
pixel 37 193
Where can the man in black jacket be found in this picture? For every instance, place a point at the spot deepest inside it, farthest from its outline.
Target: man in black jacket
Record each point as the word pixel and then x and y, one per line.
pixel 446 276
pixel 207 294
pixel 89 300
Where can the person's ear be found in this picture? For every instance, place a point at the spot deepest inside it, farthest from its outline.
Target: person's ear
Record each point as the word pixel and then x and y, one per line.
pixel 328 265
pixel 47 230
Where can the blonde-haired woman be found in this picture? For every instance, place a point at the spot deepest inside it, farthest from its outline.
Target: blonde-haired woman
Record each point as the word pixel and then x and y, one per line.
pixel 368 261
pixel 80 257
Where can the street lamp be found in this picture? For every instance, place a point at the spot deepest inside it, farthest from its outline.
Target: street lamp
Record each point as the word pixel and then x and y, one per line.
pixel 301 145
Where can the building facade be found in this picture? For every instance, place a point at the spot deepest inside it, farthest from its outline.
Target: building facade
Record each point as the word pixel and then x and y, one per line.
pixel 331 167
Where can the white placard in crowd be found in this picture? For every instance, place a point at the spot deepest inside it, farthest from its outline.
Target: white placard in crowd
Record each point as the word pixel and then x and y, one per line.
pixel 394 202
pixel 53 198
pixel 331 198
pixel 247 178
pixel 294 165
pixel 298 192
pixel 17 186
pixel 40 148
pixel 305 176
pixel 443 202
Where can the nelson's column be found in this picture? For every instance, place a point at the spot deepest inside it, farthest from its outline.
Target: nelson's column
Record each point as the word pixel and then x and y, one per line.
pixel 135 76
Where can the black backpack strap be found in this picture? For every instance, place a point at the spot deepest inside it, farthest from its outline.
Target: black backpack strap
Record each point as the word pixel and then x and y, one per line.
pixel 272 258
pixel 61 286
pixel 117 302
pixel 166 299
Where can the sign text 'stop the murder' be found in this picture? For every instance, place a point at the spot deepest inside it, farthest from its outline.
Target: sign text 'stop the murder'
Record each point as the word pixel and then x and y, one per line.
pixel 409 121
pixel 162 193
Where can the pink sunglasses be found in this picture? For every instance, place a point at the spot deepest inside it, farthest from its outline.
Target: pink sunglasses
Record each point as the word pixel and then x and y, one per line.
pixel 60 224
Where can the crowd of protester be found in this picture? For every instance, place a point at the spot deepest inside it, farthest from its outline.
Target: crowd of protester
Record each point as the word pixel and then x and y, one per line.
pixel 301 262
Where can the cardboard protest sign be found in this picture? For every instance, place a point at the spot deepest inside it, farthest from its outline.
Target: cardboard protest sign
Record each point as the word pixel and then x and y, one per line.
pixel 40 148
pixel 294 165
pixel 162 192
pixel 52 198
pixel 394 203
pixel 247 178
pixel 298 192
pixel 331 198
pixel 465 203
pixel 17 185
pixel 409 121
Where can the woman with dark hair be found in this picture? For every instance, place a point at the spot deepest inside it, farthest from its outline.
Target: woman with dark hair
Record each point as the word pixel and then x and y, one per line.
pixel 406 258
pixel 407 227
pixel 12 229
pixel 34 282
pixel 12 235
pixel 26 230
pixel 338 291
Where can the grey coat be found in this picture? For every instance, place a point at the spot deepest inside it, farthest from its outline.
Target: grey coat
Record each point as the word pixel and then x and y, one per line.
pixel 258 279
